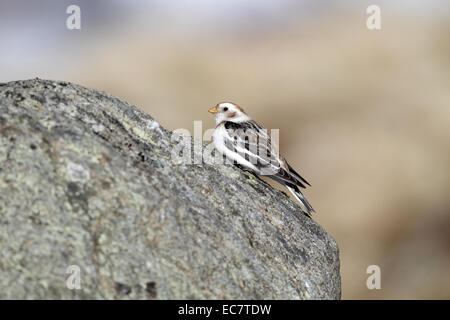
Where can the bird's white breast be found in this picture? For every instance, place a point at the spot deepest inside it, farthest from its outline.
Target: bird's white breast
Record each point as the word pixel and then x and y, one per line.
pixel 219 136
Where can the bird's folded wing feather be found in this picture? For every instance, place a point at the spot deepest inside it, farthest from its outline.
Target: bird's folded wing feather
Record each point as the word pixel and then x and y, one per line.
pixel 252 142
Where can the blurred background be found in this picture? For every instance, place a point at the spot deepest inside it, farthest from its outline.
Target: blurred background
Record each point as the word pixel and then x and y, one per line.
pixel 363 114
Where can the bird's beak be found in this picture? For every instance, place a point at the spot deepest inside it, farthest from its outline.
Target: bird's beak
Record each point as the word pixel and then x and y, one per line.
pixel 213 110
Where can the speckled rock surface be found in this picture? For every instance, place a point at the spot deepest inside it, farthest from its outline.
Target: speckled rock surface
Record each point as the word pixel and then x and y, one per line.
pixel 88 180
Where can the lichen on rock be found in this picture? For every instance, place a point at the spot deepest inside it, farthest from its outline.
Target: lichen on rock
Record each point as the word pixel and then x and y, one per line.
pixel 87 180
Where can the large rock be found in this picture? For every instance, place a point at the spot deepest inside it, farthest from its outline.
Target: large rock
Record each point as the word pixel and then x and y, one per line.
pixel 87 180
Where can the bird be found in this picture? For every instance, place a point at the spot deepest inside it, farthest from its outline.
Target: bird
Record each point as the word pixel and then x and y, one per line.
pixel 247 144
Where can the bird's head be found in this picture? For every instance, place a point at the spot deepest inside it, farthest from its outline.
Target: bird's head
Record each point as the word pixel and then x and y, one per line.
pixel 227 111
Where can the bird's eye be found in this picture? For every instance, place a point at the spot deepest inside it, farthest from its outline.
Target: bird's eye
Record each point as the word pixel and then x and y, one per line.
pixel 225 109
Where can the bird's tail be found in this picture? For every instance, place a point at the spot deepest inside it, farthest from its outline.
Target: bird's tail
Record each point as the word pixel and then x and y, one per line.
pixel 301 198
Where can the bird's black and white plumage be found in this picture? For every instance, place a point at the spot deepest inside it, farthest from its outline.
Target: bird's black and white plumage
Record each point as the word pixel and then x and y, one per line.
pixel 247 144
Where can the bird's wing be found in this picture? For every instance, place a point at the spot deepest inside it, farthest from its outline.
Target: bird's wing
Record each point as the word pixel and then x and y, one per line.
pixel 252 142
pixel 296 175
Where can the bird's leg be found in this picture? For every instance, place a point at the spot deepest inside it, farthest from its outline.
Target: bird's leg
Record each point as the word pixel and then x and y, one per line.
pixel 250 173
pixel 242 167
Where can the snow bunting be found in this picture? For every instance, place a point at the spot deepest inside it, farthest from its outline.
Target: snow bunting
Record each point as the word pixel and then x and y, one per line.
pixel 248 145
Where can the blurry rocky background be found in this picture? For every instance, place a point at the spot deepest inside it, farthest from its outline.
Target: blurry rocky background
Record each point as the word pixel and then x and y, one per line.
pixel 364 115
